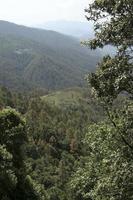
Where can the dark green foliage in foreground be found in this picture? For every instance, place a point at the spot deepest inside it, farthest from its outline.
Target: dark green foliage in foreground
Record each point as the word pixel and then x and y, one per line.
pixel 14 180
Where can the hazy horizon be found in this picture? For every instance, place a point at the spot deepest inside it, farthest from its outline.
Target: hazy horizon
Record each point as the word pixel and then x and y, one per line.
pixel 31 13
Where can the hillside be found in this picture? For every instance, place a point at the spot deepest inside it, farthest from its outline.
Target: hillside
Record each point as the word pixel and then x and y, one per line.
pixel 35 58
pixel 67 97
pixel 75 98
pixel 77 29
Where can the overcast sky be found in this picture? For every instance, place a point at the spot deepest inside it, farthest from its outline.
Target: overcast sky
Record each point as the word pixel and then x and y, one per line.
pixel 33 12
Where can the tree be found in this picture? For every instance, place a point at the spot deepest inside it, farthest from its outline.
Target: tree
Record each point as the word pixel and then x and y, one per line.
pixel 14 180
pixel 107 172
pixel 108 168
pixel 113 25
pixel 114 75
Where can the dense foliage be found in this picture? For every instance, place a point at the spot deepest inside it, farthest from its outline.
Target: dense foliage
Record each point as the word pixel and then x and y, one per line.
pixel 55 127
pixel 15 183
pixel 108 169
pixel 70 144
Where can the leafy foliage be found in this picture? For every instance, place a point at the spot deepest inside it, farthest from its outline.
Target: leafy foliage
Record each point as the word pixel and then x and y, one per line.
pixel 107 170
pixel 75 150
pixel 14 180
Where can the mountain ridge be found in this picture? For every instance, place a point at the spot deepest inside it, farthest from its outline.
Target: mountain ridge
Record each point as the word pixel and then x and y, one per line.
pixel 34 58
pixel 77 29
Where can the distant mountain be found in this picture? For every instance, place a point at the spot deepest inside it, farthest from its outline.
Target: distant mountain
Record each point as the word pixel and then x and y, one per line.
pixel 77 29
pixel 34 58
pixel 80 30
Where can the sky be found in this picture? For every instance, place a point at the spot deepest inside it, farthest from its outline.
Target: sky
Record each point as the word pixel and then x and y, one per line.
pixel 34 12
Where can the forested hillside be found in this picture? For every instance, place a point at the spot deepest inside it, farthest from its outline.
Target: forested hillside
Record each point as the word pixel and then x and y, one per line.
pixel 74 143
pixel 33 58
pixel 52 140
pixel 80 30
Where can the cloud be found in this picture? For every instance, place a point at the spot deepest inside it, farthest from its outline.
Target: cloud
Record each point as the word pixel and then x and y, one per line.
pixel 37 11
